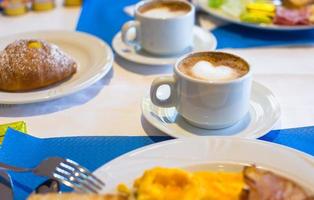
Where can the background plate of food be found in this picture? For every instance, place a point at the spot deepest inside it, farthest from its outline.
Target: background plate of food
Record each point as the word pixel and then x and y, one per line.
pixel 283 15
pixel 45 65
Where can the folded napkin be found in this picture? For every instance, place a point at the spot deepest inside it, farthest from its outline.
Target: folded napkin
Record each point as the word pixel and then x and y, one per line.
pixel 105 18
pixel 92 152
pixel 20 126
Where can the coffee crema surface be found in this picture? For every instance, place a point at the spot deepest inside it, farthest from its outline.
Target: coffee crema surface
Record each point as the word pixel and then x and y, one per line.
pixel 164 9
pixel 214 66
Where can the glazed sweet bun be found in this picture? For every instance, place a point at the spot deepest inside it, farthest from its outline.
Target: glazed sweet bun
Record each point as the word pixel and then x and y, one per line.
pixel 31 64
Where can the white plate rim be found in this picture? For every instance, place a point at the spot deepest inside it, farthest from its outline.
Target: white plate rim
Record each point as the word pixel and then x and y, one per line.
pixel 137 154
pixel 211 11
pixel 261 133
pixel 44 94
pixel 155 61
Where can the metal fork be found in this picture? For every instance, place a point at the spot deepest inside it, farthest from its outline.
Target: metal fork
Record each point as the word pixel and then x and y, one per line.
pixel 65 171
pixel 6 191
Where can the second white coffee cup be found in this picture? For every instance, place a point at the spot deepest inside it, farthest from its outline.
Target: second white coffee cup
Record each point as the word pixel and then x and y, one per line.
pixel 163 27
pixel 207 104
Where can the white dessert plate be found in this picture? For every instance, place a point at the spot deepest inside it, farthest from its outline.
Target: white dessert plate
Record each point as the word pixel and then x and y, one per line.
pixel 203 4
pixel 215 153
pixel 94 58
pixel 203 41
pixel 263 114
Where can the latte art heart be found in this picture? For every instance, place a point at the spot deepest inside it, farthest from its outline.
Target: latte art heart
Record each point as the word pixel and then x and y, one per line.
pixel 207 71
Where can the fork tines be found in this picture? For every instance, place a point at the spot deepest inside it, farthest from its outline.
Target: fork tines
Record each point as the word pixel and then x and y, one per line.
pixel 81 179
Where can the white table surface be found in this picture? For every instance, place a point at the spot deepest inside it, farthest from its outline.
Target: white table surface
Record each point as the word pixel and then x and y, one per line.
pixel 112 105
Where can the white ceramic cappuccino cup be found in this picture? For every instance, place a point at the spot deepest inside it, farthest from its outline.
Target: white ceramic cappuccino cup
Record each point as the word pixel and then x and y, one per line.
pixel 206 104
pixel 161 35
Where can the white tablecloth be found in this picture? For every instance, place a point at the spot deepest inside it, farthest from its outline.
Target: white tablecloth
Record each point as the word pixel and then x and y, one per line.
pixel 112 105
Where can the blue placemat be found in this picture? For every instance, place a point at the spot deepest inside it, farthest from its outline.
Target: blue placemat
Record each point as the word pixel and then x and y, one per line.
pixel 24 150
pixel 235 36
pixel 105 18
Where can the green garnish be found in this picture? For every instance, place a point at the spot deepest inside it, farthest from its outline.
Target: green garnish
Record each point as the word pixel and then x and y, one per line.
pixel 215 3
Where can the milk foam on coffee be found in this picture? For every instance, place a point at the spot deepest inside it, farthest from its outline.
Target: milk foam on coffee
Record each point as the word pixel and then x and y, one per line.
pixel 164 12
pixel 207 71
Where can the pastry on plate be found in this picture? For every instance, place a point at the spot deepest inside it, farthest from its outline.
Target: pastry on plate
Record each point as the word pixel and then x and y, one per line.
pixel 31 64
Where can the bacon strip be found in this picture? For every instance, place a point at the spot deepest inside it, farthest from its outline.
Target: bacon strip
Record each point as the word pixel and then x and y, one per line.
pixel 291 17
pixel 265 185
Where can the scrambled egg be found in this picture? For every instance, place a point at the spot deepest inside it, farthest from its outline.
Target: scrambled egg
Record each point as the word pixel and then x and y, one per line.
pixel 176 184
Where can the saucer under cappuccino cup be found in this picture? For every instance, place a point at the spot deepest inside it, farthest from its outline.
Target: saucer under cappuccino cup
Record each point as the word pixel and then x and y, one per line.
pixel 162 27
pixel 210 90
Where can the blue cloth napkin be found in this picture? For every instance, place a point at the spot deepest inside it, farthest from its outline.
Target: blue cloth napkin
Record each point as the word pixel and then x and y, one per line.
pixel 105 18
pixel 299 138
pixel 92 152
pixel 235 36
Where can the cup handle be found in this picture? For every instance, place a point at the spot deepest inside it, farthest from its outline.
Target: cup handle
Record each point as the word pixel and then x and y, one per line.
pixel 126 28
pixel 171 100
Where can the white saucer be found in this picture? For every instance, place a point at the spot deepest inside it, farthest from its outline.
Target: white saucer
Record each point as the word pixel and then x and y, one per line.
pixel 203 41
pixel 263 114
